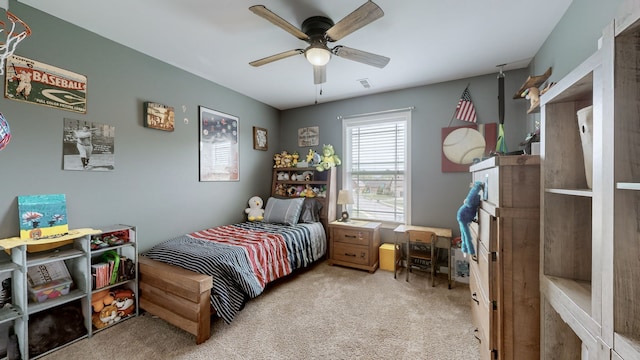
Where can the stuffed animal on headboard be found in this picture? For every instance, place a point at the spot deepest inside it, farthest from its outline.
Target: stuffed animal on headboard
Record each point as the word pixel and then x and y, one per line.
pixel 466 214
pixel 255 212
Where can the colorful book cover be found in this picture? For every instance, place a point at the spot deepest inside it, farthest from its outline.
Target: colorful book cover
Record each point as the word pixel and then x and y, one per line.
pixel 42 216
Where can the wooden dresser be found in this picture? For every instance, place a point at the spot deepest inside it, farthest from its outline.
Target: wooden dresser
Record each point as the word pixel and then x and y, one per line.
pixel 504 284
pixel 354 244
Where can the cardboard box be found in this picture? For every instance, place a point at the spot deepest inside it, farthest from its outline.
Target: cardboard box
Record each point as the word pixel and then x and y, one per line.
pixel 50 290
pixel 387 257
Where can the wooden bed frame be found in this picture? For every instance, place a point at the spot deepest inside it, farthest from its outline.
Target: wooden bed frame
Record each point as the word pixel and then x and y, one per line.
pixel 182 297
pixel 176 295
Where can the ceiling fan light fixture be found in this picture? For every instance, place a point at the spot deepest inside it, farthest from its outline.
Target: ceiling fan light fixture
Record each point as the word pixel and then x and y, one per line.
pixel 318 56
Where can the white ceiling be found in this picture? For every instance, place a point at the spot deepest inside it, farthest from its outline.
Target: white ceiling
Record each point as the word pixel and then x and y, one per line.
pixel 428 41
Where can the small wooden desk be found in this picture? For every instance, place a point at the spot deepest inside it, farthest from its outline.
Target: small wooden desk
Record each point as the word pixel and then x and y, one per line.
pixel 443 235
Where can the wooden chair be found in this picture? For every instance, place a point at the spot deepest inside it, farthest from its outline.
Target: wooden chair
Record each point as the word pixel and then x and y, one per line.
pixel 426 256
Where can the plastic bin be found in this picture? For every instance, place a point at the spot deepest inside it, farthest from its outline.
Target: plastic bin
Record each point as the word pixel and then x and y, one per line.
pixel 50 290
pixel 387 257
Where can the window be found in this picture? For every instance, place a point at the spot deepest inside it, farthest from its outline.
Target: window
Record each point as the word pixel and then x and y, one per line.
pixel 376 166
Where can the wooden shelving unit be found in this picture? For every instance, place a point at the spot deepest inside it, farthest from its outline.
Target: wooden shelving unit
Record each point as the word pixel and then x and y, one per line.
pixel 323 181
pixel 76 253
pixel 590 240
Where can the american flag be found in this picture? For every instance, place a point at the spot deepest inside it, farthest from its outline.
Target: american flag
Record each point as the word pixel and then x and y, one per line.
pixel 465 110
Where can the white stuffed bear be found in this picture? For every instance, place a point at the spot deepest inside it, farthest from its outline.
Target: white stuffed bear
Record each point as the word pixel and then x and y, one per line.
pixel 255 212
pixel 283 175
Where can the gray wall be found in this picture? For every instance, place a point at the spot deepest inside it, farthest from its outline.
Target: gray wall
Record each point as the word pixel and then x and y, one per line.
pixel 436 196
pixel 155 183
pixel 575 37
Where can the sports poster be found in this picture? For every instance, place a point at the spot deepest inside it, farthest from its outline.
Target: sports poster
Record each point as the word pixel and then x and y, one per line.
pixel 34 82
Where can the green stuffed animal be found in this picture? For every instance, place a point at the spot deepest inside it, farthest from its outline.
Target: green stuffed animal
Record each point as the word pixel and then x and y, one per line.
pixel 328 158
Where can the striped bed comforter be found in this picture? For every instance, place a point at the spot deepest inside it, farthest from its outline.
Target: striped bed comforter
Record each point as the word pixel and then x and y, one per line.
pixel 243 258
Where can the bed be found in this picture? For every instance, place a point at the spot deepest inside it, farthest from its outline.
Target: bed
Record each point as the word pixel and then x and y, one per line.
pixel 187 279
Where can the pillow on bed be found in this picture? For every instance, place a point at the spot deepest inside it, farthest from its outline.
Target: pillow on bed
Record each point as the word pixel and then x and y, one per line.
pixel 283 211
pixel 310 211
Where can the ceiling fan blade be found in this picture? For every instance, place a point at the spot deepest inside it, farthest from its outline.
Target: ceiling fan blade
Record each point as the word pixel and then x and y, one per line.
pixel 319 74
pixel 360 17
pixel 276 57
pixel 364 57
pixel 265 13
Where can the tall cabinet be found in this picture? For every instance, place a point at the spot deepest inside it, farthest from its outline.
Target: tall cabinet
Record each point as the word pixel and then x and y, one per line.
pixel 590 251
pixel 505 297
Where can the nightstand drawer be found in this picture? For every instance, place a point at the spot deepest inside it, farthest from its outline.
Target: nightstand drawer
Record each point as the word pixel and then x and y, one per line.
pixel 351 236
pixel 350 253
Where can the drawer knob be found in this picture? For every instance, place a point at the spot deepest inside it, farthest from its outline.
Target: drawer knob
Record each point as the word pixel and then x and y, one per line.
pixel 475 335
pixel 474 297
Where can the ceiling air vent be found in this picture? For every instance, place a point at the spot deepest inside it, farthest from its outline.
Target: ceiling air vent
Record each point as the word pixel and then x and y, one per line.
pixel 365 83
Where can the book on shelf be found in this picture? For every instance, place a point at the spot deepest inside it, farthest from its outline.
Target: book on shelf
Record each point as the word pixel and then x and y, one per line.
pixel 46 273
pixel 107 271
pixel 99 275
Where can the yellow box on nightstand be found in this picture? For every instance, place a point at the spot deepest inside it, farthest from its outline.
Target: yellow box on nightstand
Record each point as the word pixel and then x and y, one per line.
pixel 387 257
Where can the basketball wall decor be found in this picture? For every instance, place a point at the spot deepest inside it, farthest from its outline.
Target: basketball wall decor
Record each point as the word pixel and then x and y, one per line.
pixel 5 132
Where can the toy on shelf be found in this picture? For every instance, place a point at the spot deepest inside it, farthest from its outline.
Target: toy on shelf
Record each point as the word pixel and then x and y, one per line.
pixel 277 160
pixel 283 160
pixel 308 191
pixel 313 158
pixel 303 176
pixel 531 89
pixel 328 159
pixel 111 305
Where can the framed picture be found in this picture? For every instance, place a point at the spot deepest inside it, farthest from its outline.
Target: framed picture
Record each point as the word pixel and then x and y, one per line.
pixel 308 136
pixel 260 140
pixel 38 83
pixel 158 116
pixel 42 216
pixel 88 145
pixel 218 146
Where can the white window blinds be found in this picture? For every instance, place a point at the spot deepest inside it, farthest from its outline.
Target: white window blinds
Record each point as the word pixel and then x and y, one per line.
pixel 376 166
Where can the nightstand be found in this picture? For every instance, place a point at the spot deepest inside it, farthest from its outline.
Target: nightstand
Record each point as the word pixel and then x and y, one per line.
pixel 354 244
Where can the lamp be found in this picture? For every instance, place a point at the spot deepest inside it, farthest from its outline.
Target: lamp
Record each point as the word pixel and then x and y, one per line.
pixel 345 197
pixel 317 55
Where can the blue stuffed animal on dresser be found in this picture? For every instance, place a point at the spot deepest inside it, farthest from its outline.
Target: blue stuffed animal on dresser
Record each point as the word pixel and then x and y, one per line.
pixel 466 214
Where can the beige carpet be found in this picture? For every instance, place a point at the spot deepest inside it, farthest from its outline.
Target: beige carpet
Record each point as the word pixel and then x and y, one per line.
pixel 326 312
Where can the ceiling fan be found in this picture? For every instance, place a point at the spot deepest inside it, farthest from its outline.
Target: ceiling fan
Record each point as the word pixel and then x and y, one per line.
pixel 318 31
